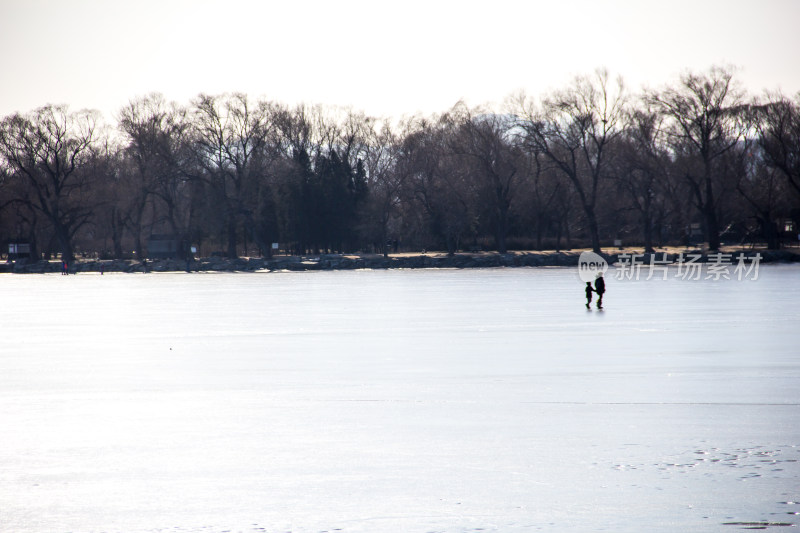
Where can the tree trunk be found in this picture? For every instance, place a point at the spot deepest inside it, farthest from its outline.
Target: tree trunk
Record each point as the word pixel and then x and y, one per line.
pixel 137 244
pixel 116 233
pixel 500 239
pixel 501 230
pixel 712 228
pixel 648 236
pixel 558 236
pixel 34 252
pixel 451 249
pixel 231 237
pixel 64 242
pixel 770 231
pixel 594 231
pixel 567 235
pixel 538 231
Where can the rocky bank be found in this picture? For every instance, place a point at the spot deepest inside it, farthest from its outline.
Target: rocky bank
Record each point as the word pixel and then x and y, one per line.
pixel 352 262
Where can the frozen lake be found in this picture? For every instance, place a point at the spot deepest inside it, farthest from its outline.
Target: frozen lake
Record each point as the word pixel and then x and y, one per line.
pixel 398 401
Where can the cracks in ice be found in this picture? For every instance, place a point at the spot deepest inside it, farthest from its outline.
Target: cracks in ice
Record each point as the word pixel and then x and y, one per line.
pixel 753 462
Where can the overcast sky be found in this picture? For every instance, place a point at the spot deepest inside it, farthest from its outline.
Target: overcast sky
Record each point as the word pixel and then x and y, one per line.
pixel 386 58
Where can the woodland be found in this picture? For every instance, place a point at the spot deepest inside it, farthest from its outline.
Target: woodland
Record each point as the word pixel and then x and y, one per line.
pixel 591 165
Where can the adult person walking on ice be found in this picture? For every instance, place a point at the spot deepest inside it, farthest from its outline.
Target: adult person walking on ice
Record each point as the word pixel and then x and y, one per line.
pixel 599 288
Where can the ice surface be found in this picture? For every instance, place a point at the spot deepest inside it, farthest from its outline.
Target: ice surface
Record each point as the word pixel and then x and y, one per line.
pixel 398 401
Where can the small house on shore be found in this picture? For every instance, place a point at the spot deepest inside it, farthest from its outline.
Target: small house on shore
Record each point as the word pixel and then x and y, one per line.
pixel 18 250
pixel 164 246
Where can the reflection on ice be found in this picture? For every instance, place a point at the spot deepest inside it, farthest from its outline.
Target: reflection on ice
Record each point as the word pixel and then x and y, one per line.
pixel 398 401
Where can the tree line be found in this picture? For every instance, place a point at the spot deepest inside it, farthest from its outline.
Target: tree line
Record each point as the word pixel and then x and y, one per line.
pixel 587 165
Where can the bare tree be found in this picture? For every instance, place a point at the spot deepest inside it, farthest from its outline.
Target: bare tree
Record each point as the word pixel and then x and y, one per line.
pixel 542 190
pixel 764 188
pixel 49 149
pixel 229 133
pixel 486 140
pixel 20 221
pixel 385 180
pixel 778 124
pixel 573 129
pixel 155 131
pixel 437 189
pixel 641 169
pixel 705 114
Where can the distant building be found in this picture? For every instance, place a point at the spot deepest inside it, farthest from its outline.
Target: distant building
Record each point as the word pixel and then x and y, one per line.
pixel 164 246
pixel 19 250
pixel 789 229
pixel 694 234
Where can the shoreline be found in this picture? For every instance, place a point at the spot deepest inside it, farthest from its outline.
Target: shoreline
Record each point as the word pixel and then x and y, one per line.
pixel 379 262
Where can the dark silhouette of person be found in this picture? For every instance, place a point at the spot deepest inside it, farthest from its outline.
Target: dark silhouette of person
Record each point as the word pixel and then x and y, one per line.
pixel 589 291
pixel 64 268
pixel 599 288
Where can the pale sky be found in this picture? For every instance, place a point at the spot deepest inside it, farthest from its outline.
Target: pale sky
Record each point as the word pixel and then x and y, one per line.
pixel 385 58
